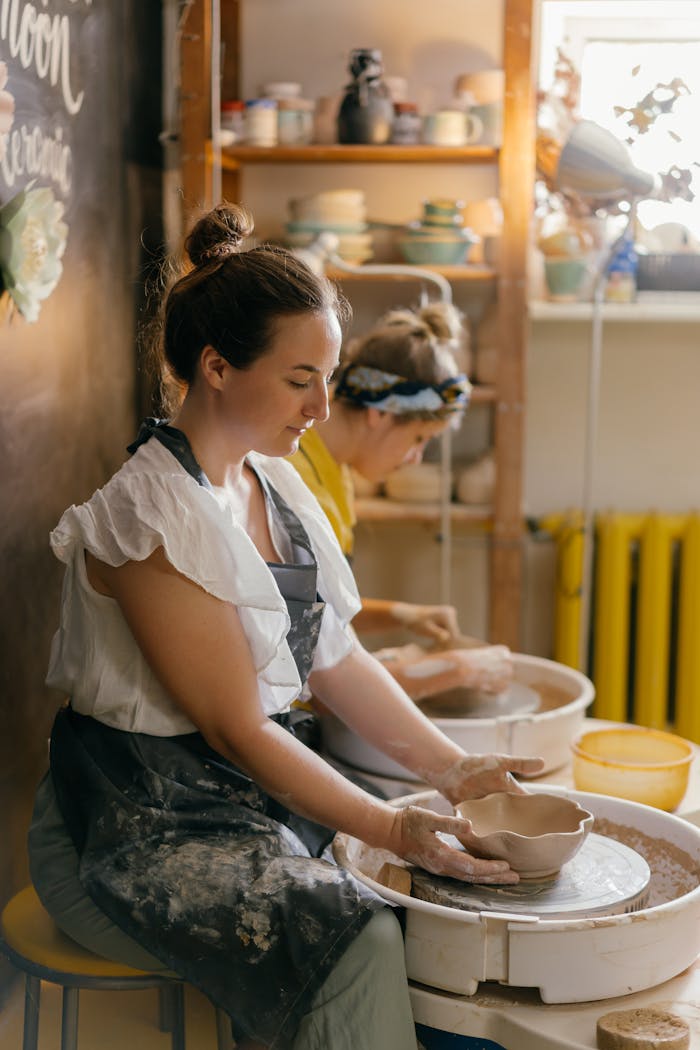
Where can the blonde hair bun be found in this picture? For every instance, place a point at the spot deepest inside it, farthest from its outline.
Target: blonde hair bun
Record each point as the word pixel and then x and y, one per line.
pixel 441 322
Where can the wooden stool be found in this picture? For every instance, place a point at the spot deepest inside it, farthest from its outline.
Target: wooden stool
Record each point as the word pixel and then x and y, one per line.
pixel 34 944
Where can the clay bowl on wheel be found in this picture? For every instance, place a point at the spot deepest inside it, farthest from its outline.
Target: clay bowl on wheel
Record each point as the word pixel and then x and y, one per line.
pixel 535 833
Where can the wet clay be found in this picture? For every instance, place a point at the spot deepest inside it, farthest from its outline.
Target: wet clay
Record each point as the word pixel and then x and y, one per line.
pixel 457 703
pixel 645 1028
pixel 673 871
pixel 552 696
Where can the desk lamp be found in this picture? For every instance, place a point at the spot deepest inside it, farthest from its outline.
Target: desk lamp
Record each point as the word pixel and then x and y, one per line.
pixel 596 165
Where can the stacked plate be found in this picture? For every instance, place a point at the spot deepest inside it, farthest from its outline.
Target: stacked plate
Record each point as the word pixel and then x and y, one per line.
pixel 342 212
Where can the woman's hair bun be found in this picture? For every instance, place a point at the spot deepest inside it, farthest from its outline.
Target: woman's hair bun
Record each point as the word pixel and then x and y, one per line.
pixel 441 320
pixel 218 234
pixel 444 320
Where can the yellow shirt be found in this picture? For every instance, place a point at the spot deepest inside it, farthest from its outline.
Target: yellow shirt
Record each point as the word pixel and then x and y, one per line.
pixel 331 484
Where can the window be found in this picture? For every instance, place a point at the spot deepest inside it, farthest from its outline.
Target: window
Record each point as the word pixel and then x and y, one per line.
pixel 623 50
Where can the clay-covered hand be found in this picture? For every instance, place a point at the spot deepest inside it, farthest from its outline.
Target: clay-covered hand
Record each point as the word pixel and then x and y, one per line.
pixel 477 775
pixel 415 838
pixel 489 668
pixel 434 621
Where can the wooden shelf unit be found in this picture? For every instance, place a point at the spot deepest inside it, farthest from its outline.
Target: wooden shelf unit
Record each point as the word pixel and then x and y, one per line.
pixel 381 509
pixel 516 166
pixel 452 273
pixel 233 157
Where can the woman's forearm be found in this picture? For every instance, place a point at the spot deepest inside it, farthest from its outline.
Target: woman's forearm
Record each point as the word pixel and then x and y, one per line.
pixel 362 693
pixel 307 785
pixel 489 668
pixel 375 615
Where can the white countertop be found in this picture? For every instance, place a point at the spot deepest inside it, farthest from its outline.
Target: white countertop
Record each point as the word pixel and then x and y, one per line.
pixel 664 307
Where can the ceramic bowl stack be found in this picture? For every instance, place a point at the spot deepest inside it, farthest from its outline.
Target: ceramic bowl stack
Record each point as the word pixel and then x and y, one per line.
pixel 342 212
pixel 438 238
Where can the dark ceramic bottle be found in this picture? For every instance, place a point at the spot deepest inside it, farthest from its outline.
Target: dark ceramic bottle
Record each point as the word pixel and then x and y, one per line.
pixel 366 112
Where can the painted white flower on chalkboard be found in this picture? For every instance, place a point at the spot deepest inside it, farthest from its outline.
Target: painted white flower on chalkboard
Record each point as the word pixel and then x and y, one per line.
pixel 32 243
pixel 7 109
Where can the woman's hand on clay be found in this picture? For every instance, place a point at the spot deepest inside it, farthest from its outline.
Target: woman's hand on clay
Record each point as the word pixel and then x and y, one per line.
pixel 489 668
pixel 477 775
pixel 438 622
pixel 415 838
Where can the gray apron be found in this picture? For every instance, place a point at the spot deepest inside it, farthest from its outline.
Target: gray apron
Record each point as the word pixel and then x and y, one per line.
pixel 194 860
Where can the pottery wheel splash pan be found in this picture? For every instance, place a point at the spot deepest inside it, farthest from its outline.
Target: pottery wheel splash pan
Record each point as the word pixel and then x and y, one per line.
pixel 571 954
pixel 539 715
pixel 518 699
pixel 605 877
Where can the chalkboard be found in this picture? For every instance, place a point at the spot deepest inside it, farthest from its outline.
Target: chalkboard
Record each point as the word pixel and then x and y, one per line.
pixel 82 85
pixel 58 60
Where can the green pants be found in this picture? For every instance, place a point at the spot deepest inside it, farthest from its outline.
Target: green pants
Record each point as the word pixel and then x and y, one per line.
pixel 362 1005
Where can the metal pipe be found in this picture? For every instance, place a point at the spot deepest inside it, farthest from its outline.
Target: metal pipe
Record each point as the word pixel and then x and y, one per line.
pixel 592 408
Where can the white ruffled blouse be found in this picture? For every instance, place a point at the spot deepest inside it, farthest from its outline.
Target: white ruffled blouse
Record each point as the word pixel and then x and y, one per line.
pixel 153 502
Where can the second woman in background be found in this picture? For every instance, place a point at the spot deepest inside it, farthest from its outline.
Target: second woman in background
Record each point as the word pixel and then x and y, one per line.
pixel 398 387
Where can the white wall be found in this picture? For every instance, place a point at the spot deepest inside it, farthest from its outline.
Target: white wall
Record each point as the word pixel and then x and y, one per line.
pixel 648 434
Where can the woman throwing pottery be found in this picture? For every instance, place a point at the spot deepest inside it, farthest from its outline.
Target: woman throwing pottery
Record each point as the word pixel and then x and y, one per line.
pixel 398 387
pixel 182 825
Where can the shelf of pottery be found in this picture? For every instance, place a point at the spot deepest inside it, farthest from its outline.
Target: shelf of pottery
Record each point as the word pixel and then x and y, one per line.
pixel 483 136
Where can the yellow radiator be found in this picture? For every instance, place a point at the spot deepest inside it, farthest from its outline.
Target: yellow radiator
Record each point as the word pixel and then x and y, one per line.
pixel 645 614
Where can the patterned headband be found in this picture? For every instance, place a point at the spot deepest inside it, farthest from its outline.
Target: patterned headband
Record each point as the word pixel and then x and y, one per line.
pixel 370 387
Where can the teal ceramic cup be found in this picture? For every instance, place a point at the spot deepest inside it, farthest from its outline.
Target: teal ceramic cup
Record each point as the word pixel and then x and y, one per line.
pixel 564 278
pixel 442 208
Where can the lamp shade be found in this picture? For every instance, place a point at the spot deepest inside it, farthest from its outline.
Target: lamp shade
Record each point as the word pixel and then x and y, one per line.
pixel 594 163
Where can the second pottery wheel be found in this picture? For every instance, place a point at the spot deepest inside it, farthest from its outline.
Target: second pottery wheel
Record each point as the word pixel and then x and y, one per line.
pixel 543 725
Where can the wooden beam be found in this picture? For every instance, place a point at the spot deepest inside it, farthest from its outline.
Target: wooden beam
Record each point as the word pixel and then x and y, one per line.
pixel 195 108
pixel 516 172
pixel 230 49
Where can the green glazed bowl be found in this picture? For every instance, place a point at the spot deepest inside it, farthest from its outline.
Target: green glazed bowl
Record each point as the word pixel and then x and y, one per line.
pixel 436 251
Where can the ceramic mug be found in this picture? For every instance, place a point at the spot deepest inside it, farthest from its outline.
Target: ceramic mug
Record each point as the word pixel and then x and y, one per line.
pixel 451 127
pixel 490 114
pixel 294 126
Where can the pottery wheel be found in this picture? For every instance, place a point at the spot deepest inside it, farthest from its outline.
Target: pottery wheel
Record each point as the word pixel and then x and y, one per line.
pixel 517 699
pixel 604 878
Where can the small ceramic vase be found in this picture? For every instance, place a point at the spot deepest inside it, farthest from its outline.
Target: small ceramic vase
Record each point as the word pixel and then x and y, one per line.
pixel 367 111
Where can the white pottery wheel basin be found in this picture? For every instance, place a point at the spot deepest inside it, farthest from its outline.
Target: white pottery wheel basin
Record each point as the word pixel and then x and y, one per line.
pixel 570 960
pixel 518 727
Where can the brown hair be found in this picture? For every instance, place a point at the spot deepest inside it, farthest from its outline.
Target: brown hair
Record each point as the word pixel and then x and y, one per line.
pixel 230 298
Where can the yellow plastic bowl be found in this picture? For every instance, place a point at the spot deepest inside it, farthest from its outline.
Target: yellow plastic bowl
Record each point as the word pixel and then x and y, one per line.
pixel 642 765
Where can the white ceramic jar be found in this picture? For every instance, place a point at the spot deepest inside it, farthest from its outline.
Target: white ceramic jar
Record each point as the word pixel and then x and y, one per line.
pixel 261 122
